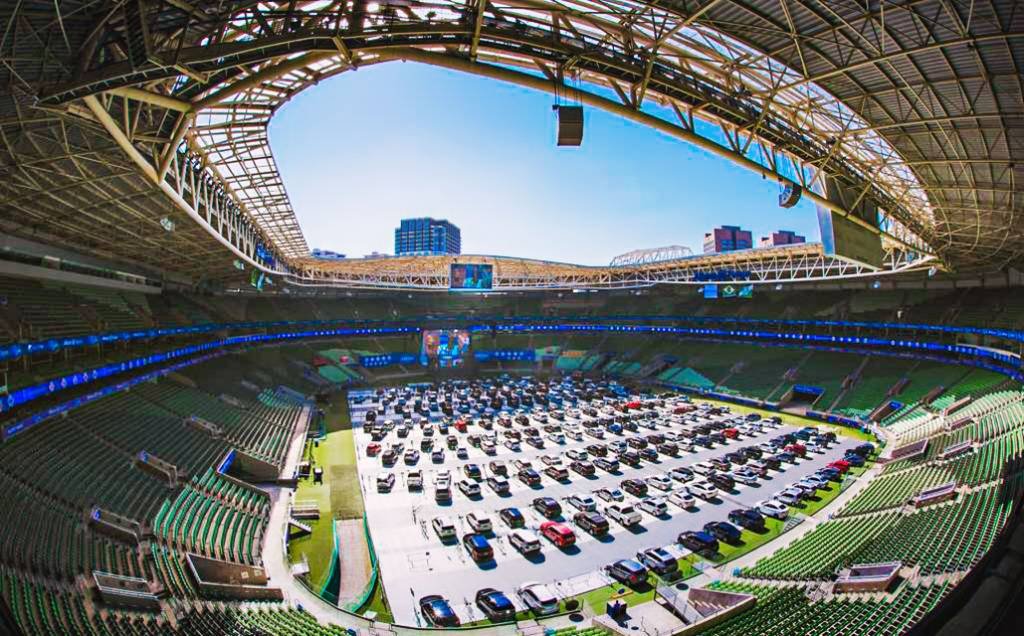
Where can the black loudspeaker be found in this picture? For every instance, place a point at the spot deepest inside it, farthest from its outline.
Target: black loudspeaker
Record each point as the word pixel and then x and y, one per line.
pixel 570 125
pixel 790 195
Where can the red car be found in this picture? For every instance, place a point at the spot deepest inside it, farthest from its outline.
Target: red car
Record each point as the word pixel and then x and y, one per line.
pixel 372 449
pixel 460 426
pixel 841 465
pixel 558 533
pixel 797 449
pixel 731 433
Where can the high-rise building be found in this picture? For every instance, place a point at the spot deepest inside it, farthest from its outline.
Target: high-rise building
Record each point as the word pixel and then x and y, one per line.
pixel 727 239
pixel 426 236
pixel 782 237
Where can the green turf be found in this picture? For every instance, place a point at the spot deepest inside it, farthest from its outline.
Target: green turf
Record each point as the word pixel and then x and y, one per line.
pixel 749 541
pixel 339 497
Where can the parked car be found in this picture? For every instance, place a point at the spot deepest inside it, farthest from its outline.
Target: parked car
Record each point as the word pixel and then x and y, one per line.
pixel 627 571
pixel 608 465
pixel 592 522
pixel 437 612
pixel 660 482
pixel 558 533
pixel 722 481
pixel 723 531
pixel 699 542
pixel 703 489
pixel 773 508
pixel 495 605
pixel 498 485
pixel 529 476
pixel 478 547
pixel 654 506
pixel 748 518
pixel 610 494
pixel 682 499
pixel 444 528
pixel 582 502
pixel 659 561
pixel 524 541
pixel 547 507
pixel 681 473
pixel 538 598
pixel 479 521
pixel 634 487
pixel 623 513
pixel 385 482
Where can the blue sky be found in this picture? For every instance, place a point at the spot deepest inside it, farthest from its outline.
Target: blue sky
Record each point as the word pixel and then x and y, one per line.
pixel 365 149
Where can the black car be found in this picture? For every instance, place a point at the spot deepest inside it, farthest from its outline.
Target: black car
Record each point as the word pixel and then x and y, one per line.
pixel 787 457
pixel 547 507
pixel 717 437
pixel 722 482
pixel 720 463
pixel 597 450
pixel 634 487
pixel 736 458
pixel 751 452
pixel 629 458
pixel 583 468
pixel 771 461
pixel 747 518
pixel 723 531
pixel 495 605
pixel 438 612
pixel 668 448
pixel 649 454
pixel 627 571
pixel 699 542
pixel 592 522
pixel 529 476
pixel 512 517
pixel 637 442
pixel 864 449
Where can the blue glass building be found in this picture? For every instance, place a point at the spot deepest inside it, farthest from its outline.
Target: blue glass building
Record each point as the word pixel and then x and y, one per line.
pixel 427 236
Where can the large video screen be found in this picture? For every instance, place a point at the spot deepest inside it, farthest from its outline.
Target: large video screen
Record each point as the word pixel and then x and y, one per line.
pixel 727 290
pixel 471 276
pixel 448 347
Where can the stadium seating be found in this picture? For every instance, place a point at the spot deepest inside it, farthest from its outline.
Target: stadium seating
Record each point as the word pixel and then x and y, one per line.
pixel 788 611
pixel 823 550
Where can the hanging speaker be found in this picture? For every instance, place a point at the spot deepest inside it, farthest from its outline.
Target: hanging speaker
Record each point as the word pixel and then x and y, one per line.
pixel 790 195
pixel 570 125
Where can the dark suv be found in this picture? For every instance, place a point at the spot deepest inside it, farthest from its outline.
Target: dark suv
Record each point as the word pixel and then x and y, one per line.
pixel 699 542
pixel 547 507
pixel 592 522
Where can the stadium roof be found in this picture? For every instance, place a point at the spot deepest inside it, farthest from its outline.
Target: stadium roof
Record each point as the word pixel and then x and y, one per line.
pixel 115 115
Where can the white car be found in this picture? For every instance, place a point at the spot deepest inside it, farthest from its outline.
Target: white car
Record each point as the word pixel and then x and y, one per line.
pixel 702 468
pixel 681 473
pixel 585 503
pixel 703 489
pixel 444 528
pixel 789 497
pixel 524 541
pixel 574 433
pixel 817 482
pixel 577 454
pixel 654 506
pixel 660 482
pixel 610 494
pixel 556 438
pixel 469 488
pixel 479 521
pixel 551 460
pixel 623 513
pixel 741 477
pixel 617 445
pixel 773 508
pixel 682 499
pixel 538 597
